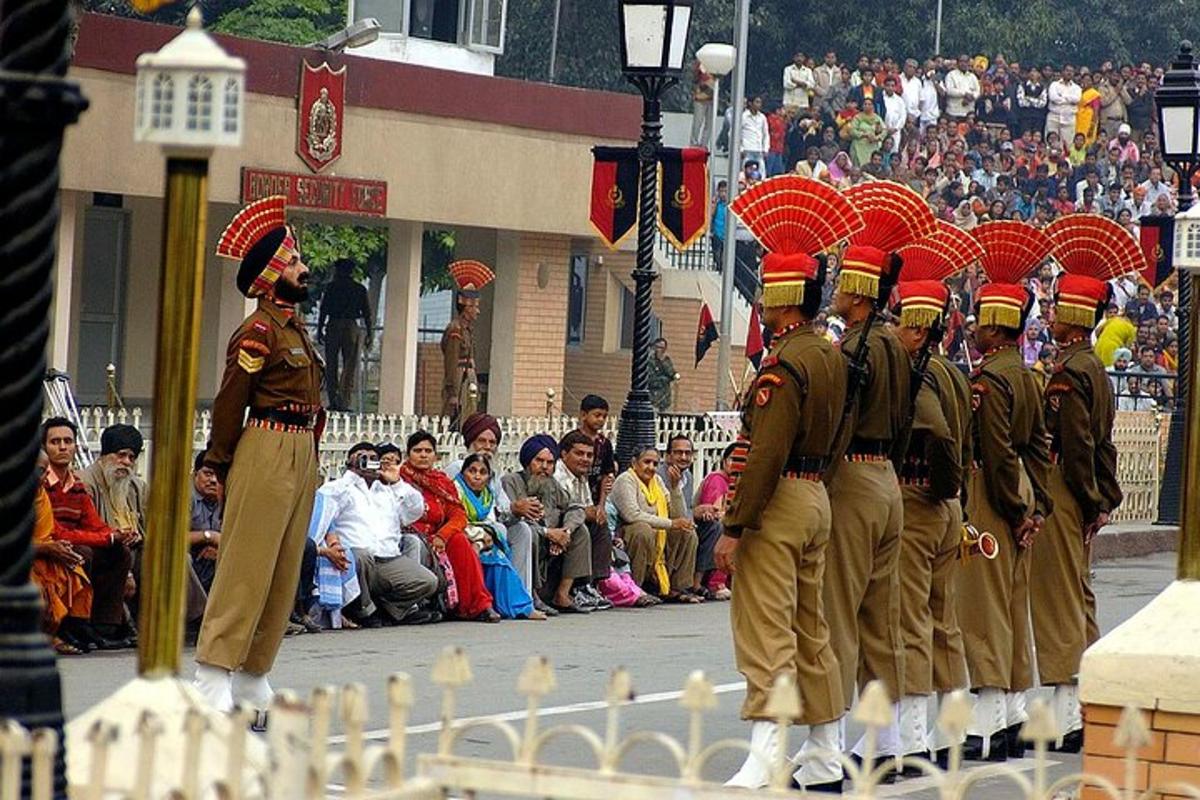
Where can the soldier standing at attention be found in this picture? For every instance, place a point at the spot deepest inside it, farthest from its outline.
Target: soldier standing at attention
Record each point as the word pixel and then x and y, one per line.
pixel 661 377
pixel 931 476
pixel 776 526
pixel 1007 494
pixel 460 384
pixel 269 467
pixel 1083 479
pixel 343 304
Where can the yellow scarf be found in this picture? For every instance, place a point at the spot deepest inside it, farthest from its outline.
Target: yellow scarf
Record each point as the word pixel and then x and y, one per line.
pixel 656 497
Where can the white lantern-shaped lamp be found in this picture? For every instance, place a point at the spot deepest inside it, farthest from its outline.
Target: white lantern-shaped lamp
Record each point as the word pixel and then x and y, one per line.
pixel 1187 240
pixel 654 36
pixel 190 93
pixel 717 59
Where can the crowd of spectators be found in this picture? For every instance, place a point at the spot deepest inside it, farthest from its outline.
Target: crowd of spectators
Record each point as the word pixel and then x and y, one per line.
pixel 399 538
pixel 981 139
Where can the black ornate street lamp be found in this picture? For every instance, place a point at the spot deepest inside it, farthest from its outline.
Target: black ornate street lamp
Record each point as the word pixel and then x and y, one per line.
pixel 653 48
pixel 1178 102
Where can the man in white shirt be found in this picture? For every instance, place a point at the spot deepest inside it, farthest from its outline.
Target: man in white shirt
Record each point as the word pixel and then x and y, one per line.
pixel 798 81
pixel 1155 186
pixel 928 105
pixel 1063 104
pixel 962 90
pixel 756 137
pixel 910 90
pixel 895 112
pixel 366 510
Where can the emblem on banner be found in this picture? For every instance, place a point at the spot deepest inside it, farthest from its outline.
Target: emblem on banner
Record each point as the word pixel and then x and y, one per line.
pixel 616 199
pixel 683 198
pixel 320 115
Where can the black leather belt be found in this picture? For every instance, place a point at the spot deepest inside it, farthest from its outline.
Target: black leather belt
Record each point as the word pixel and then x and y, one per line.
pixel 805 465
pixel 869 447
pixel 291 418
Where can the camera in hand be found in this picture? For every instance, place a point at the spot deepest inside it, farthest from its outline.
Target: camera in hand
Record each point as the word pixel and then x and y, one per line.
pixel 367 462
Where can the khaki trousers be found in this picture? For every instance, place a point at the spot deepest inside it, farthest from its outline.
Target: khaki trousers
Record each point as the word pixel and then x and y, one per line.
pixel 269 500
pixel 993 600
pixel 777 610
pixel 933 647
pixel 641 542
pixel 1060 588
pixel 862 581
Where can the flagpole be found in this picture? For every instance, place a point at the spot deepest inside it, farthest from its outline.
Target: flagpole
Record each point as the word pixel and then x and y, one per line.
pixel 728 260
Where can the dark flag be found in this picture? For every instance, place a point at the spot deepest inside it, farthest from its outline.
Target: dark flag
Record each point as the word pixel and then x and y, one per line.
pixel 683 190
pixel 1158 244
pixel 754 338
pixel 706 332
pixel 614 192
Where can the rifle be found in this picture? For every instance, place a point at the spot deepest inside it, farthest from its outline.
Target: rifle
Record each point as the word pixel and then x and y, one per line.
pixel 856 368
pixel 919 368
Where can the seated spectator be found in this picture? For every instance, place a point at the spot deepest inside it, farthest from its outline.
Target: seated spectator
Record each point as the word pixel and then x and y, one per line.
pixel 1121 359
pixel 713 490
pixel 1150 372
pixel 365 511
pixel 1113 332
pixel 660 540
pixel 105 551
pixel 208 506
pixel 481 434
pixel 676 472
pixel 58 572
pixel 1142 308
pixel 490 538
pixel 1162 329
pixel 1135 397
pixel 572 473
pixel 564 551
pixel 443 530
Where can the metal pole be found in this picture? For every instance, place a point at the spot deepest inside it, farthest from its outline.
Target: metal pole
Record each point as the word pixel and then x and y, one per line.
pixel 182 290
pixel 637 417
pixel 937 31
pixel 712 137
pixel 554 39
pixel 1188 407
pixel 1170 492
pixel 728 263
pixel 36 104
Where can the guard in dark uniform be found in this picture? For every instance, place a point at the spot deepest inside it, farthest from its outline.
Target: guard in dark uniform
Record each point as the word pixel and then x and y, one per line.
pixel 1083 479
pixel 931 477
pixel 460 384
pixel 269 464
pixel 343 304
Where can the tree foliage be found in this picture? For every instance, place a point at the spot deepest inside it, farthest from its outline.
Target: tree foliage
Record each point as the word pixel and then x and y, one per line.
pixel 437 252
pixel 298 22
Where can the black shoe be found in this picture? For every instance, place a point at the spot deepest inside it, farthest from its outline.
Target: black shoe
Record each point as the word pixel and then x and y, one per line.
pixel 830 787
pixel 259 723
pixel 1016 745
pixel 370 622
pixel 490 615
pixel 305 621
pixel 888 777
pixel 421 616
pixel 599 601
pixel 998 752
pixel 942 759
pixel 540 605
pixel 1072 743
pixel 911 770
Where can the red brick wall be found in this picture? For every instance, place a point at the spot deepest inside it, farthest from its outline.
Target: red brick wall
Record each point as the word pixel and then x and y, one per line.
pixel 1173 754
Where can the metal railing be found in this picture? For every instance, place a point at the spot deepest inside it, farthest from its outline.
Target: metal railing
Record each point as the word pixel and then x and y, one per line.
pixel 698 256
pixel 300 761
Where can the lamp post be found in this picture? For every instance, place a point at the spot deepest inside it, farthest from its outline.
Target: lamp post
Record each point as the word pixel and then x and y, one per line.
pixel 1178 102
pixel 653 48
pixel 1187 259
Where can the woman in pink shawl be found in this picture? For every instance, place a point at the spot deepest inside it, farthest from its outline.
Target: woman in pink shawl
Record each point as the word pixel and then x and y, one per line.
pixel 839 170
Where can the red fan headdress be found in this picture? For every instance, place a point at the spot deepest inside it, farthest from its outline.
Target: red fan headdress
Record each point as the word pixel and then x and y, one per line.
pixel 470 276
pixel 258 236
pixel 1092 250
pixel 1011 252
pixel 927 263
pixel 794 219
pixel 895 216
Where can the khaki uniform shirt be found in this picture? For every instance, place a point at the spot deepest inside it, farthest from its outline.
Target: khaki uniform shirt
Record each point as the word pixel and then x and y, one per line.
pixel 1010 435
pixel 882 408
pixel 1079 418
pixel 270 364
pixel 791 414
pixel 458 365
pixel 941 433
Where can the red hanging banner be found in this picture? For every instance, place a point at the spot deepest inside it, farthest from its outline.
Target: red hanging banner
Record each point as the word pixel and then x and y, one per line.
pixel 683 192
pixel 614 192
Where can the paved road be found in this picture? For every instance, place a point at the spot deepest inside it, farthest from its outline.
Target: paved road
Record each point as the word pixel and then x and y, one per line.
pixel 659 646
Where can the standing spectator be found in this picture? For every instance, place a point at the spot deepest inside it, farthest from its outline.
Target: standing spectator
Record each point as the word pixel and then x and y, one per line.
pixel 777 127
pixel 662 377
pixel 1031 102
pixel 910 90
pixel 867 94
pixel 1113 97
pixel 1140 106
pixel 798 82
pixel 1063 102
pixel 1121 360
pixel 756 135
pixel 344 303
pixel 1142 309
pixel 1087 116
pixel 716 229
pixel 962 90
pixel 895 113
pixel 1150 372
pixel 1166 307
pixel 866 133
pixel 929 103
pixel 703 86
pixel 826 77
pixel 1156 187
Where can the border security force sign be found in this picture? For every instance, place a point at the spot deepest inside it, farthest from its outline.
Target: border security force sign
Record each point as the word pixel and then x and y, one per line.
pixel 320 115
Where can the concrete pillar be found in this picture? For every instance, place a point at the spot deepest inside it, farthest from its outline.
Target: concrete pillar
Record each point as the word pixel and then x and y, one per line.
pixel 224 306
pixel 401 302
pixel 59 346
pixel 505 297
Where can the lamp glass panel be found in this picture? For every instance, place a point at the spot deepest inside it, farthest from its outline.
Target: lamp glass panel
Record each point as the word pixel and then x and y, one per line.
pixel 679 34
pixel 1179 129
pixel 645 35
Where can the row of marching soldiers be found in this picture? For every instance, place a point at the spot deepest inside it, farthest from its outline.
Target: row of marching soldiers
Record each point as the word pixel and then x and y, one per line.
pixel 895 519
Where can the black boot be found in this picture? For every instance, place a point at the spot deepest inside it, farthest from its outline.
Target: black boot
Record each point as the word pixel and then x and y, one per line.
pixel 1072 743
pixel 888 777
pixel 942 759
pixel 998 751
pixel 830 787
pixel 1016 745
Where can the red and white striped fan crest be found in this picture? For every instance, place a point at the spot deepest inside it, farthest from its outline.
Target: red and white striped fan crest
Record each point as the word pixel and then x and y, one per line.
pixel 1096 246
pixel 471 275
pixel 789 214
pixel 251 224
pixel 1011 250
pixel 947 252
pixel 894 214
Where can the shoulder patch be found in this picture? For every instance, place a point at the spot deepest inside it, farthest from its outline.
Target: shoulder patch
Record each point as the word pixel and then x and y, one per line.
pixel 1058 387
pixel 250 363
pixel 253 346
pixel 770 378
pixel 762 396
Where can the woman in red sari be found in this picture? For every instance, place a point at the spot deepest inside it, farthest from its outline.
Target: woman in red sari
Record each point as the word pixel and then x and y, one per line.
pixel 444 528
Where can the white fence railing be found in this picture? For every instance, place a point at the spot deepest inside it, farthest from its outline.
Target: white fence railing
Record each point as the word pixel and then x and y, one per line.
pixel 1137 435
pixel 304 762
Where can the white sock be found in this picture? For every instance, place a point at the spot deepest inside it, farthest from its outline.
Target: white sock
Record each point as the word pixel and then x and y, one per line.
pixel 988 717
pixel 938 740
pixel 914 725
pixel 1014 710
pixel 818 756
pixel 755 772
pixel 253 690
pixel 887 740
pixel 215 685
pixel 1067 712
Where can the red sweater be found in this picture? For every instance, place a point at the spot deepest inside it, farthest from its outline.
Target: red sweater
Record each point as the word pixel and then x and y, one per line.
pixel 78 521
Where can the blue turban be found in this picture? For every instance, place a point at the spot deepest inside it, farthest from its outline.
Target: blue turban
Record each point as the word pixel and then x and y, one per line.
pixel 536 444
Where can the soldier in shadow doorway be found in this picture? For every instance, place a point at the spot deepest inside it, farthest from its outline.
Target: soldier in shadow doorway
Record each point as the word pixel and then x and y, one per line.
pixel 344 303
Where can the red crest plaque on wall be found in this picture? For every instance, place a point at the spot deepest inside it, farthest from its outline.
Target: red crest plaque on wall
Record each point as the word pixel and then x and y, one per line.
pixel 320 113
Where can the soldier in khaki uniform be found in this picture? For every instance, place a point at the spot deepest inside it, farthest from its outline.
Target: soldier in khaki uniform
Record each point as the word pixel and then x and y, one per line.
pixel 931 476
pixel 1083 479
pixel 862 582
pixel 460 384
pixel 776 527
pixel 1007 494
pixel 269 465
